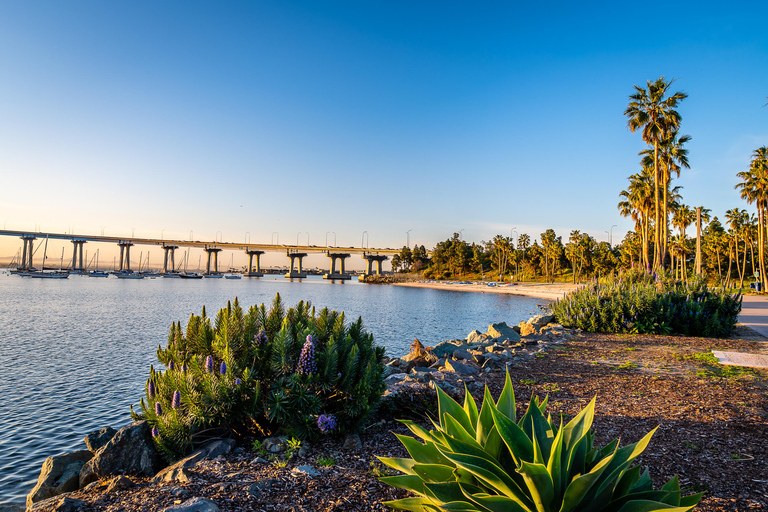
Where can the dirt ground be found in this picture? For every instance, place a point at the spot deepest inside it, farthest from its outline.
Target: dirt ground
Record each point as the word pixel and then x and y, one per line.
pixel 712 430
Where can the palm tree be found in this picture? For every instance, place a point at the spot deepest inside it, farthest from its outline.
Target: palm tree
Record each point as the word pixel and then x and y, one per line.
pixel 638 205
pixel 754 189
pixel 655 114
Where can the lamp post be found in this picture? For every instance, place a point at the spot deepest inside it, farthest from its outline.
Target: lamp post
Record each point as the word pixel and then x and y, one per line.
pixel 460 233
pixel 362 241
pixel 408 238
pixel 610 236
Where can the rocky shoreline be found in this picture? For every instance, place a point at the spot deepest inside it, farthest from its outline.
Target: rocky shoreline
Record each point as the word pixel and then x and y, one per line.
pixel 116 460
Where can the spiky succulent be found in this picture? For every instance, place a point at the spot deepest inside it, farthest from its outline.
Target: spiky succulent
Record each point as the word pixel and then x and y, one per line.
pixel 488 460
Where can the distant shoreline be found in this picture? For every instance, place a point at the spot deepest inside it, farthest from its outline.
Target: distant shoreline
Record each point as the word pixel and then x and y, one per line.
pixel 539 290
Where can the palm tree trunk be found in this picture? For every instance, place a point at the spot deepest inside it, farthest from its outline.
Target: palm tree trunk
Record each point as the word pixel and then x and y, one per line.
pixel 719 268
pixel 665 215
pixel 761 242
pixel 657 229
pixel 744 265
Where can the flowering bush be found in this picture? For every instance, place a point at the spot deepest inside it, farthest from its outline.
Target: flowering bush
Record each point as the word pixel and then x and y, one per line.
pixel 638 302
pixel 294 371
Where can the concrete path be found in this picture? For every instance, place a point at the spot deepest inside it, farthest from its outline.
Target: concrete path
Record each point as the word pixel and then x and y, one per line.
pixel 754 313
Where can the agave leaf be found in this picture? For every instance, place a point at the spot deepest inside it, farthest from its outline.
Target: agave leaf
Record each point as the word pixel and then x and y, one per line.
pixel 534 420
pixel 672 485
pixel 485 418
pixel 558 473
pixel 447 405
pixel 506 403
pixel 402 465
pixel 575 429
pixel 691 501
pixel 492 503
pixel 434 473
pixel 627 482
pixel 644 483
pixel 454 429
pixel 579 487
pixel 424 453
pixel 519 444
pixel 455 445
pixel 447 492
pixel 493 443
pixel 412 504
pixel 651 506
pixel 543 404
pixel 621 459
pixel 470 407
pixel 540 485
pixel 412 483
pixel 457 506
pixel 491 475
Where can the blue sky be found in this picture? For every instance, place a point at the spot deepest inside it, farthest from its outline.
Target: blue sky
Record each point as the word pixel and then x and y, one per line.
pixel 295 117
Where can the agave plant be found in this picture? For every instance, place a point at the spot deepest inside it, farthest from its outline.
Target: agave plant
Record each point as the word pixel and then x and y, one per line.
pixel 491 461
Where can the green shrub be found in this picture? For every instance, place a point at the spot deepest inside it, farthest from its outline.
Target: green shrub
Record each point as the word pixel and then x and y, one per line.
pixel 263 372
pixel 638 302
pixel 488 460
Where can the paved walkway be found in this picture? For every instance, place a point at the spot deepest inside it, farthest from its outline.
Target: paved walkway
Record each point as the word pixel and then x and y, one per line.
pixel 754 313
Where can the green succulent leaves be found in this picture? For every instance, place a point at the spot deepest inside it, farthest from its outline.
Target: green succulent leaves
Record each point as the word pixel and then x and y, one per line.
pixel 488 460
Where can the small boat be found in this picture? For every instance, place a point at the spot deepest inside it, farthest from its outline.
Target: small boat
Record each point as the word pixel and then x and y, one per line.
pixel 171 275
pixel 97 273
pixel 52 274
pixel 232 276
pixel 128 275
pixel 190 275
pixel 213 276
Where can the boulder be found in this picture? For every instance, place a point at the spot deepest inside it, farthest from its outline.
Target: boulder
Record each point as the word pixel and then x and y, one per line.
pixel 501 332
pixel 176 472
pixel 395 378
pixel 418 352
pixel 541 320
pixel 305 470
pixel 477 338
pixel 461 354
pixel 194 505
pixel 130 451
pixel 58 504
pixel 120 483
pixel 275 444
pixel 527 329
pixel 457 367
pixel 446 348
pixel 98 438
pixel 10 507
pixel 59 474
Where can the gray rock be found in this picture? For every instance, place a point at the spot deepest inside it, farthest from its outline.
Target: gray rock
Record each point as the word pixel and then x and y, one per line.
pixel 457 367
pixel 422 369
pixel 194 505
pixel 10 507
pixel 438 364
pixel 501 331
pixel 176 472
pixel 274 444
pixel 446 348
pixel 477 338
pixel 120 483
pixel 395 362
pixel 130 451
pixel 395 378
pixel 58 504
pixel 352 443
pixel 59 474
pixel 479 358
pixel 87 474
pixel 540 320
pixel 445 386
pixel 462 354
pixel 259 460
pixel 305 470
pixel 98 438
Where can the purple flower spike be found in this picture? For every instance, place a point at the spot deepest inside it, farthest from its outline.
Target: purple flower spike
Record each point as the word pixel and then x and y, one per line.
pixel 158 409
pixel 223 368
pixel 176 399
pixel 184 367
pixel 209 364
pixel 171 365
pixel 326 423
pixel 151 389
pixel 238 382
pixel 155 432
pixel 260 339
pixel 307 364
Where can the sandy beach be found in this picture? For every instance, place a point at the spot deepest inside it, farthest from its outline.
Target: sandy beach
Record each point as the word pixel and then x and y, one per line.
pixel 540 290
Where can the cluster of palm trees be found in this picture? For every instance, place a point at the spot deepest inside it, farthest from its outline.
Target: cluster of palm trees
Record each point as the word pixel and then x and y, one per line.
pixel 650 198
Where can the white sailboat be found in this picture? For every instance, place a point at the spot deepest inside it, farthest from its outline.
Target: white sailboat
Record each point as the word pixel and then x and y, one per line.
pixel 54 274
pixel 96 272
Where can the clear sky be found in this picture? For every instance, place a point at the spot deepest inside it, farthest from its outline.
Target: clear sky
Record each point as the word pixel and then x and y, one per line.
pixel 293 117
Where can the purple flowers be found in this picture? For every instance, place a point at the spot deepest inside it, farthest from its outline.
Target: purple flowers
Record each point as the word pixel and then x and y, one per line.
pixel 326 423
pixel 155 432
pixel 158 409
pixel 151 389
pixel 307 364
pixel 260 339
pixel 223 368
pixel 184 367
pixel 176 399
pixel 171 365
pixel 238 382
pixel 209 364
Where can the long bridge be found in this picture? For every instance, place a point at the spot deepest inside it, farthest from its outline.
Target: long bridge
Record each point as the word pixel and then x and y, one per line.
pixel 296 253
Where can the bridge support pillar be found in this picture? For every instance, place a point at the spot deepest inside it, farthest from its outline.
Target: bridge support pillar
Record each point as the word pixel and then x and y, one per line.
pixel 251 272
pixel 170 257
pixel 26 257
pixel 371 258
pixel 77 266
pixel 125 256
pixel 296 274
pixel 341 275
pixel 215 252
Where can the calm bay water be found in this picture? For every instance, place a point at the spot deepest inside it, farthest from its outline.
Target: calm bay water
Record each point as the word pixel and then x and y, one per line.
pixel 74 353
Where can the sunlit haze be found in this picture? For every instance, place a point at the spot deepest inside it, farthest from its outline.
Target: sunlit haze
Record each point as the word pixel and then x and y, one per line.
pixel 321 120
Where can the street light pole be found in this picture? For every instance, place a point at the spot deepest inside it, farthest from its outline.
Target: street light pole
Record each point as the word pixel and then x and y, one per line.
pixel 610 235
pixel 408 238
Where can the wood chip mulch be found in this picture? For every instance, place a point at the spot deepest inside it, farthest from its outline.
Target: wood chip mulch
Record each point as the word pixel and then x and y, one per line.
pixel 712 431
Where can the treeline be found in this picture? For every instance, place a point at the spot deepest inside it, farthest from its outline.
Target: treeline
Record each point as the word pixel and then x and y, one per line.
pixel 729 252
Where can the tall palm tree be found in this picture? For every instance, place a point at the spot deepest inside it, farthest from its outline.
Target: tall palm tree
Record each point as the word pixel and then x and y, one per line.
pixel 654 112
pixel 638 204
pixel 754 189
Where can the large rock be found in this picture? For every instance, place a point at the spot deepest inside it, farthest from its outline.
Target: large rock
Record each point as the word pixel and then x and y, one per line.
pixel 527 329
pixel 177 471
pixel 194 505
pixel 98 438
pixel 457 367
pixel 540 320
pixel 130 451
pixel 58 504
pixel 10 507
pixel 446 348
pixel 502 332
pixel 58 475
